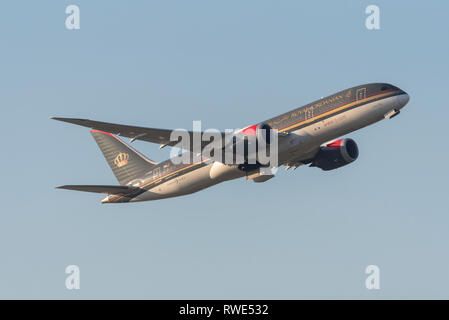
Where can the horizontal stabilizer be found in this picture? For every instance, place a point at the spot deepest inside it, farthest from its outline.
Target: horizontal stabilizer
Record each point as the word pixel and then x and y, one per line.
pixel 101 189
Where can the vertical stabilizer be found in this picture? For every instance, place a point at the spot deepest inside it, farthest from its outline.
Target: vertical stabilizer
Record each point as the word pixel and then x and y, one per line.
pixel 126 163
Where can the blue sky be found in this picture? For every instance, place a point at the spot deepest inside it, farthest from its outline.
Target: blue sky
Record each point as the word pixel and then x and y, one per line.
pixel 307 234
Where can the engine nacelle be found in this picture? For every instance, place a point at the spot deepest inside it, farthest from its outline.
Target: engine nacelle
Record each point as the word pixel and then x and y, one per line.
pixel 336 154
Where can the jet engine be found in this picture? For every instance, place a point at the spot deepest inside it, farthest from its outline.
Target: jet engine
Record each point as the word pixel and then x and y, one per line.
pixel 336 154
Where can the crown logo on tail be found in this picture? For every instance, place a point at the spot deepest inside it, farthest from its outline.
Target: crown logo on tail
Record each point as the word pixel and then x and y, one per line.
pixel 121 159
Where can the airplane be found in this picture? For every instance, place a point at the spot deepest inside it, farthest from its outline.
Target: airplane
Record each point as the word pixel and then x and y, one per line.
pixel 309 135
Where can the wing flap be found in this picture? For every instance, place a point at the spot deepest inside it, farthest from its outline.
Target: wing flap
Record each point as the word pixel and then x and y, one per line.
pixel 101 189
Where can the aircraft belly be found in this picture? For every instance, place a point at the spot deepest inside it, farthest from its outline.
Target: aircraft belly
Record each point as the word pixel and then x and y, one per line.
pixel 185 184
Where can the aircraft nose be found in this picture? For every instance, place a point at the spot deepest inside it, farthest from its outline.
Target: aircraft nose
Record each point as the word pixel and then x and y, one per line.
pixel 403 99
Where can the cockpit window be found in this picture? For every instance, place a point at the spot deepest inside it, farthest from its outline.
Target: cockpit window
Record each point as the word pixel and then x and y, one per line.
pixel 385 88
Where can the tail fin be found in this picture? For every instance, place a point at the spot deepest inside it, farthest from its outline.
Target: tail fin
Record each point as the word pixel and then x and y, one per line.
pixel 126 163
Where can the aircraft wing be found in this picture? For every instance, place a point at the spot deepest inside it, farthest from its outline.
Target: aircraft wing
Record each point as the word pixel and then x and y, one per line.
pixel 160 136
pixel 101 189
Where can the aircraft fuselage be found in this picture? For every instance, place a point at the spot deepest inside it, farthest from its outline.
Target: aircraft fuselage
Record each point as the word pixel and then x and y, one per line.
pixel 307 128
